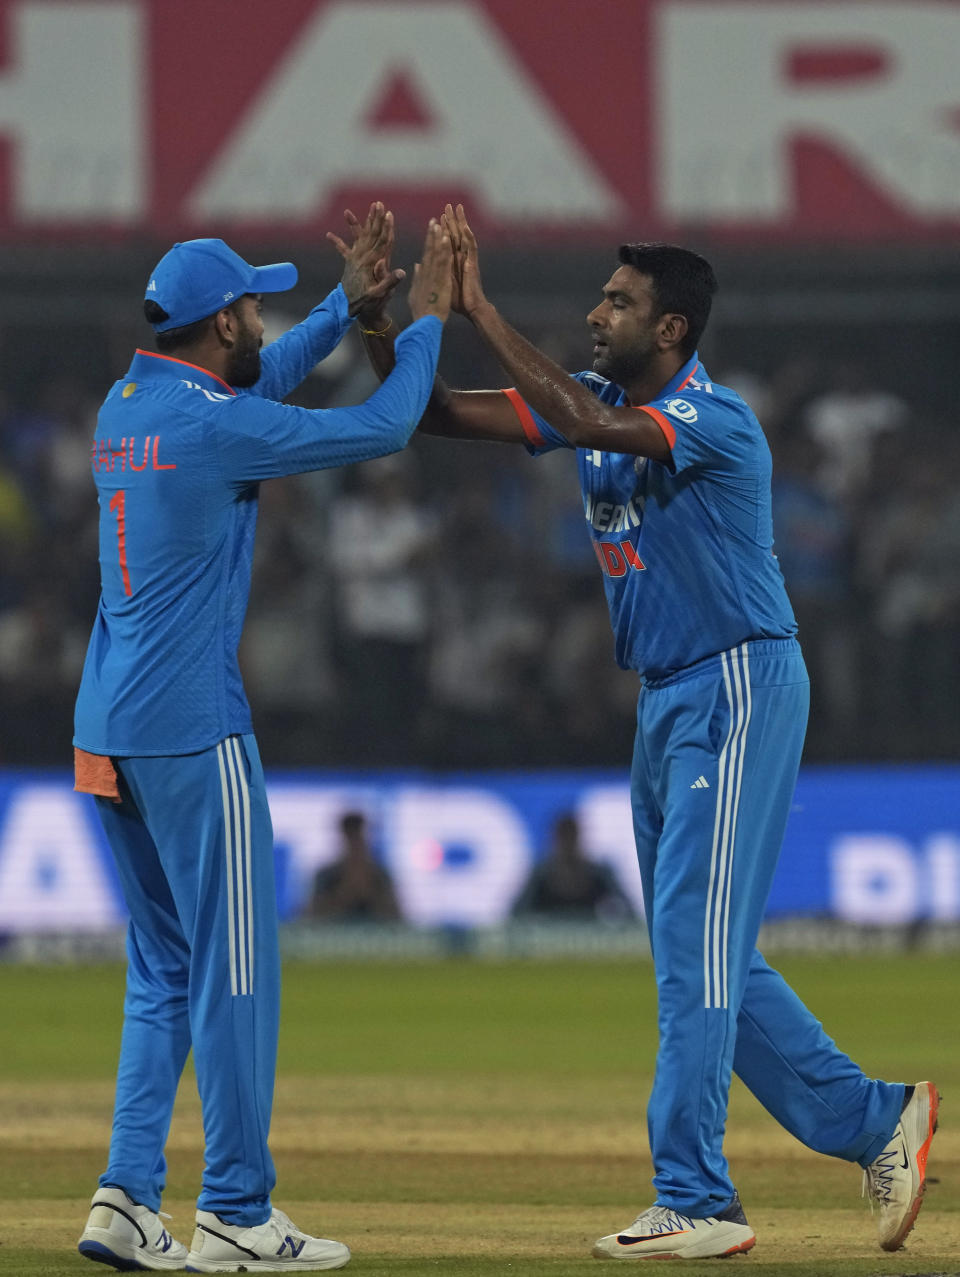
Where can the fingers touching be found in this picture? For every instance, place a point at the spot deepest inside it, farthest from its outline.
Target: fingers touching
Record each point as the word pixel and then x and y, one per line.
pixel 367 247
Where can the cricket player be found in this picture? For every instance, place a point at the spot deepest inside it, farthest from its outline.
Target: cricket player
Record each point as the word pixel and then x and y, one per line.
pixel 163 729
pixel 675 476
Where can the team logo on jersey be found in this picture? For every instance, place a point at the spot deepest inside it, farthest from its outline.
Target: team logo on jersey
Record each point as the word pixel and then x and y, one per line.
pixel 680 409
pixel 128 389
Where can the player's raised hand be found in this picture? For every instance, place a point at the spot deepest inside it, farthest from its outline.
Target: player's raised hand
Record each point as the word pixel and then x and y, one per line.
pixel 432 284
pixel 449 223
pixel 469 292
pixel 368 279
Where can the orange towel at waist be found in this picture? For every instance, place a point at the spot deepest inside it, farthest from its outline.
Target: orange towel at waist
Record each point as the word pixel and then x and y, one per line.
pixel 95 774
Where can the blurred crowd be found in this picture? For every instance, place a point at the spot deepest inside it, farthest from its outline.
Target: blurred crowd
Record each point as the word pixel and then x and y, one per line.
pixel 564 883
pixel 443 607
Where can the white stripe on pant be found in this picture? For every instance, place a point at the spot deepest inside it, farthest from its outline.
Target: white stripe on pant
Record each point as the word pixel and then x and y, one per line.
pixel 236 822
pixel 736 680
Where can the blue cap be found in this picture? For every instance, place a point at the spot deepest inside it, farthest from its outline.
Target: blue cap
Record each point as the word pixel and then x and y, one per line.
pixel 201 276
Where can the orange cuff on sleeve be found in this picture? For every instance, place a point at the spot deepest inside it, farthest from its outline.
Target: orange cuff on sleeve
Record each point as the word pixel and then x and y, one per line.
pixel 526 418
pixel 95 774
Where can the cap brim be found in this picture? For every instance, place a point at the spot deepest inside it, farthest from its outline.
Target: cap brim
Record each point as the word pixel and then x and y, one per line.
pixel 276 278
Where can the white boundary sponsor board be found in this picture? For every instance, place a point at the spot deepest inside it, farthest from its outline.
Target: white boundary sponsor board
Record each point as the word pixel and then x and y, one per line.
pixel 787 119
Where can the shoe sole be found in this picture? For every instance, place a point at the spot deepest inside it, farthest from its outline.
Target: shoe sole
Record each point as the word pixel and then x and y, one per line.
pixel 264 1265
pixel 894 1243
pixel 740 1249
pixel 252 1266
pixel 101 1254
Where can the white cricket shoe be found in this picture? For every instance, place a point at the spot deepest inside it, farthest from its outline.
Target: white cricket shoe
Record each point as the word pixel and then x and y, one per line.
pixel 276 1246
pixel 122 1233
pixel 663 1233
pixel 896 1180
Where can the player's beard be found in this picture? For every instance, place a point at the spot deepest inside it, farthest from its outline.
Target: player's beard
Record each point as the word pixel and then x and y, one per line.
pixel 625 367
pixel 244 370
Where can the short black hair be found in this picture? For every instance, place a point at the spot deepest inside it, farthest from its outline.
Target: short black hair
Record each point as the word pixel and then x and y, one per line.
pixel 683 281
pixel 174 338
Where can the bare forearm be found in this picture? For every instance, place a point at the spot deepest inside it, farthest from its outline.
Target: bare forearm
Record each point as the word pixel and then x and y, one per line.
pixel 568 407
pixel 378 344
pixel 437 418
pixel 547 387
pixel 471 414
pixel 377 337
pixel 576 412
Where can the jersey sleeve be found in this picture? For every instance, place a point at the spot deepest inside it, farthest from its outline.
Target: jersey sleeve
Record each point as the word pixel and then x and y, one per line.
pixel 261 439
pixel 541 436
pixel 705 432
pixel 289 359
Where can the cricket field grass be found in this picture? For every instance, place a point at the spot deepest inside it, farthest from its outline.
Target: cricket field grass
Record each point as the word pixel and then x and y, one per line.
pixel 473 1117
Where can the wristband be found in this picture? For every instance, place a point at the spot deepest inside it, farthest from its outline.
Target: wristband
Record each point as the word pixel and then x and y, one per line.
pixel 377 332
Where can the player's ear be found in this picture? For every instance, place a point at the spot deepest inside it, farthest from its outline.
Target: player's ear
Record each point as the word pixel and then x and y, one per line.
pixel 225 325
pixel 671 330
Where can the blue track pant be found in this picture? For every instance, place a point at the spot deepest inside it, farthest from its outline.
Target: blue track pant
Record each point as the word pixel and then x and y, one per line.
pixel 193 846
pixel 715 763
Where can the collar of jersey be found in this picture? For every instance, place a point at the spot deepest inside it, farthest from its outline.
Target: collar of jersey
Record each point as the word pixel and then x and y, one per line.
pixel 149 366
pixel 680 379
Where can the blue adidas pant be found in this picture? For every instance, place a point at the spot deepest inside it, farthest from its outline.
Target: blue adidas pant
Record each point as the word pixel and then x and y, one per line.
pixel 193 846
pixel 715 763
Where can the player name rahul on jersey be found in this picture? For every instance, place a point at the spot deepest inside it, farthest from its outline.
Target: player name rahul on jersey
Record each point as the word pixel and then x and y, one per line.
pixel 105 457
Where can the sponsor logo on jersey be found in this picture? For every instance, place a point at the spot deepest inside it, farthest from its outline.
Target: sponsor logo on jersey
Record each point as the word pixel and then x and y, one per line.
pixel 681 409
pixel 617 558
pixel 605 516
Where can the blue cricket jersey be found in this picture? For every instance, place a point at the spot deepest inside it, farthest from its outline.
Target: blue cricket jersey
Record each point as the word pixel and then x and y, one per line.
pixel 177 460
pixel 686 549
